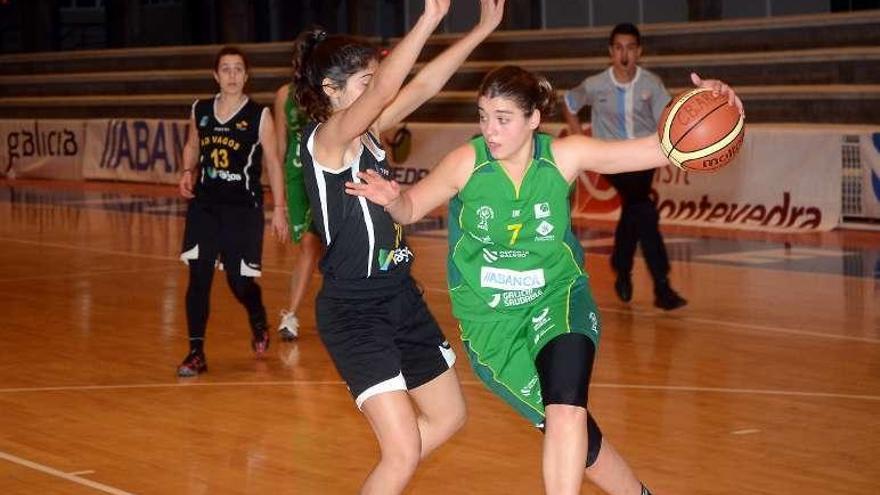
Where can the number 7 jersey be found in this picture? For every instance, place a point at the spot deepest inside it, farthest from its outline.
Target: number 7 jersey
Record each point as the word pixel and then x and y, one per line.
pixel 509 247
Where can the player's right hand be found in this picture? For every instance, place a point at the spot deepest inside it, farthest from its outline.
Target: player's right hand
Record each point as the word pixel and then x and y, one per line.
pixel 185 186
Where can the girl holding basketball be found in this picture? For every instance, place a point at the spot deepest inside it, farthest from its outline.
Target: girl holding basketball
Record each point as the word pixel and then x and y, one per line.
pixel 516 279
pixel 370 314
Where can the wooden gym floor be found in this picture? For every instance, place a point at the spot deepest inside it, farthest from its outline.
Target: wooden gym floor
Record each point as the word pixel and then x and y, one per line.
pixel 768 382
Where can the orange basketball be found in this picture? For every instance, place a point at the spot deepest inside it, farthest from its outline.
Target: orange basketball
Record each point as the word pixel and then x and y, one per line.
pixel 700 132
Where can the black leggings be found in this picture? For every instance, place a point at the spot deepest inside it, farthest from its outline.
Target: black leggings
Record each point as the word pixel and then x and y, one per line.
pixel 565 366
pixel 198 296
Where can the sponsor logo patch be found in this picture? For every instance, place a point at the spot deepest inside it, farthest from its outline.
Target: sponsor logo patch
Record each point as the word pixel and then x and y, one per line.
pixel 542 210
pixel 484 214
pixel 395 256
pixel 511 280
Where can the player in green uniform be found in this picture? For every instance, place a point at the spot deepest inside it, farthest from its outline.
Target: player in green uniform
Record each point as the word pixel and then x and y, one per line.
pixel 516 279
pixel 289 121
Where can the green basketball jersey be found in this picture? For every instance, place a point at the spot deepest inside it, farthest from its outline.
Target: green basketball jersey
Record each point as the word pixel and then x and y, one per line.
pixel 510 248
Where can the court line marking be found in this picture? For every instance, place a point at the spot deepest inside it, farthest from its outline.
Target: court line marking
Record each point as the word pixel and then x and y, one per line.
pixel 80 473
pixel 740 391
pixel 743 326
pixel 82 274
pixel 159 257
pixel 747 431
pixel 61 474
pixel 92 250
pixel 619 386
pixel 747 326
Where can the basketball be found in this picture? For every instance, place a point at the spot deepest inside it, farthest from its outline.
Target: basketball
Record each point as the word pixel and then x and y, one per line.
pixel 700 132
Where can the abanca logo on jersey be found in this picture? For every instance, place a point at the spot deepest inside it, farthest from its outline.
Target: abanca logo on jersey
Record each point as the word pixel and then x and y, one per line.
pixel 503 279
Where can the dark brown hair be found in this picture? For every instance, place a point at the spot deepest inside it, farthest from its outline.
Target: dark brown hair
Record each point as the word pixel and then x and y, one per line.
pixel 230 50
pixel 528 90
pixel 317 56
pixel 625 28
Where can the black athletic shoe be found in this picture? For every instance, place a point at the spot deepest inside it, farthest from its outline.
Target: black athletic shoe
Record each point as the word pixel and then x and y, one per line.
pixel 624 287
pixel 260 343
pixel 667 299
pixel 193 364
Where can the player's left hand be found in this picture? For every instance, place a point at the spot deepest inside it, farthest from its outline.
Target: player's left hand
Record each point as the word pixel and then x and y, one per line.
pixel 375 188
pixel 491 14
pixel 718 88
pixel 279 224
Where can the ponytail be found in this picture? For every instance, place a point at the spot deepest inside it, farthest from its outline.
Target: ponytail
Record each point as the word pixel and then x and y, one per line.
pixel 317 56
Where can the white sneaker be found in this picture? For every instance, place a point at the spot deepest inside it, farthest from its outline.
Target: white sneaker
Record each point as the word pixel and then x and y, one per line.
pixel 288 329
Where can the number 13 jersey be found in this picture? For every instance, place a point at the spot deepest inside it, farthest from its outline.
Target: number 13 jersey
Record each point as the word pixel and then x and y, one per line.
pixel 230 155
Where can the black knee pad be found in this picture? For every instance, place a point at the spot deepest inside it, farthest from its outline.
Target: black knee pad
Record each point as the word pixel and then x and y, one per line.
pixel 594 440
pixel 564 367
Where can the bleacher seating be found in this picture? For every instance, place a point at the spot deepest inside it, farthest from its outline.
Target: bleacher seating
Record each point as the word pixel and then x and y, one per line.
pixel 814 68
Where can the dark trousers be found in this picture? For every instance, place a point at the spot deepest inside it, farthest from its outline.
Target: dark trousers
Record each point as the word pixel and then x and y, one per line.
pixel 639 223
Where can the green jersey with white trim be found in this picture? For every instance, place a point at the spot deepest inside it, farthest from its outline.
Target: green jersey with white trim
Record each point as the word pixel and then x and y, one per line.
pixel 510 247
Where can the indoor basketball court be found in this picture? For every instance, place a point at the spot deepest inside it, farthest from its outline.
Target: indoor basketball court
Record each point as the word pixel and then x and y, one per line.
pixel 767 379
pixel 766 382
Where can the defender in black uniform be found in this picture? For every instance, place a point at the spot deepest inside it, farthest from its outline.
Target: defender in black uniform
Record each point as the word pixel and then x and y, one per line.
pixel 370 313
pixel 228 137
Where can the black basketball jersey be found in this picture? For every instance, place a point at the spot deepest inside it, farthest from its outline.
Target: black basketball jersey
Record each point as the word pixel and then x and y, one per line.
pixel 230 155
pixel 365 249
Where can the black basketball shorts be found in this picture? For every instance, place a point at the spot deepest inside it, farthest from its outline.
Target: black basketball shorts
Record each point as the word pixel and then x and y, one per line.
pixel 389 341
pixel 232 233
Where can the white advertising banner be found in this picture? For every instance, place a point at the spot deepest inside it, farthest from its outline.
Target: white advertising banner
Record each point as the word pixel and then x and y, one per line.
pixel 147 150
pixel 786 178
pixel 428 143
pixel 42 149
pixel 869 153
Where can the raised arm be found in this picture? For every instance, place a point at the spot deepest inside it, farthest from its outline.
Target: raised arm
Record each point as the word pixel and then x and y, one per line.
pixel 433 76
pixel 438 187
pixel 345 125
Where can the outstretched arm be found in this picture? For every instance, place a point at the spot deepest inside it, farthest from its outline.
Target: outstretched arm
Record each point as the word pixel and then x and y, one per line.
pixel 579 153
pixel 347 124
pixel 433 76
pixel 409 206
